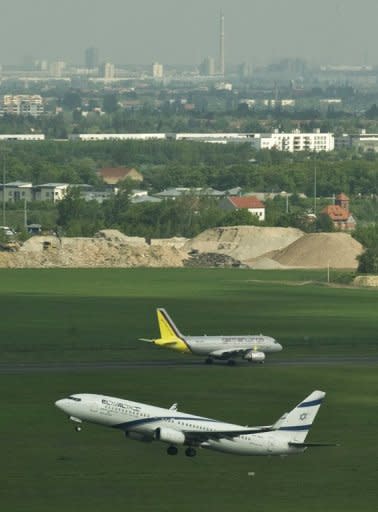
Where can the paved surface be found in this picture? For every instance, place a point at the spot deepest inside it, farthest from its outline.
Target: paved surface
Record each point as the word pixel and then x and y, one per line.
pixel 24 368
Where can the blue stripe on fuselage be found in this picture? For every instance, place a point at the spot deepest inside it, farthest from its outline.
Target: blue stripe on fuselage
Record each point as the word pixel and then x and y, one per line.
pixel 136 423
pixel 312 403
pixel 295 428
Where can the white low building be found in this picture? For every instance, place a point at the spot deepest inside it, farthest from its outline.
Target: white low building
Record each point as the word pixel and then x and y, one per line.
pixel 22 136
pixel 116 136
pixel 363 140
pixel 250 203
pixel 51 191
pixel 295 141
pixel 16 191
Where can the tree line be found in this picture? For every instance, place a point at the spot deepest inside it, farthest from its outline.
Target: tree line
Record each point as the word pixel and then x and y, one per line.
pixel 170 164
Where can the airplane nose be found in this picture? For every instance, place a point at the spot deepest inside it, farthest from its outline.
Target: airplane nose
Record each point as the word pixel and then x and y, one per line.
pixel 60 404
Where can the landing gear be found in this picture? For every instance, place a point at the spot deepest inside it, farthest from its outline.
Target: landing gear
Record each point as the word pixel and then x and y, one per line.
pixel 78 428
pixel 209 360
pixel 190 452
pixel 172 450
pixel 231 362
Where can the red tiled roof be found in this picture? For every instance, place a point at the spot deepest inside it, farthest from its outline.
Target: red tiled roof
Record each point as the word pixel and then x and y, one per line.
pixel 336 212
pixel 342 197
pixel 115 172
pixel 246 202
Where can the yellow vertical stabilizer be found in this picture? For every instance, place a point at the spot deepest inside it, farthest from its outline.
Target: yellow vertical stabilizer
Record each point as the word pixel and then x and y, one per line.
pixel 170 336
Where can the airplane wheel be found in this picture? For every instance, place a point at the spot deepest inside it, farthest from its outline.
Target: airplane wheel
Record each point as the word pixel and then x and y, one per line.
pixel 172 450
pixel 231 362
pixel 190 452
pixel 77 428
pixel 209 360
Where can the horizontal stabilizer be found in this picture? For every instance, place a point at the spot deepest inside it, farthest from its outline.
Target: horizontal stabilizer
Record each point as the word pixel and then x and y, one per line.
pixel 311 445
pixel 146 339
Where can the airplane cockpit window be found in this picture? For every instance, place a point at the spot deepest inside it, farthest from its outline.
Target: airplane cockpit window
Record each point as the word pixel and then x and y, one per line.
pixel 75 398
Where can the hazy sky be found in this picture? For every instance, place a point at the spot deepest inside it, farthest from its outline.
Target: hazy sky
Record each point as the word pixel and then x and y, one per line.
pixel 186 31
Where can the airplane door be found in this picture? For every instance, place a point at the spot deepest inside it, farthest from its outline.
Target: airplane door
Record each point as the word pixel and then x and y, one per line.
pixel 271 445
pixel 93 407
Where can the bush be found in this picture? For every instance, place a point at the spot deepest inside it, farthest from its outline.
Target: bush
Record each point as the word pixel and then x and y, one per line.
pixel 368 261
pixel 343 277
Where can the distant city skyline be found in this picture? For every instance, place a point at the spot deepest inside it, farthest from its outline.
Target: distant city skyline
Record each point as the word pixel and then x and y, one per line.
pixel 182 33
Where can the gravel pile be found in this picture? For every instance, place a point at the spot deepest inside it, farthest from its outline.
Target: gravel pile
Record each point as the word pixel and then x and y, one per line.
pixel 318 250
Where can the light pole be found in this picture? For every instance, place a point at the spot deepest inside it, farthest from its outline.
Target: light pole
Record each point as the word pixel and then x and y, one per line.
pixel 25 214
pixel 4 175
pixel 315 186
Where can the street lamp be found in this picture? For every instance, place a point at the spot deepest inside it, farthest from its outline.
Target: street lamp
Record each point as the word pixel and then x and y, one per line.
pixel 4 174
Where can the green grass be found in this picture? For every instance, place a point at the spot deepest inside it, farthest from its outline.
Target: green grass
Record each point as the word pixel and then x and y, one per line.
pixel 55 315
pixel 47 466
pixel 89 315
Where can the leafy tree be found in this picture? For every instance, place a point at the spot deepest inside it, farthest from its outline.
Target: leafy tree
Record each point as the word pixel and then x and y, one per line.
pixel 72 100
pixel 115 210
pixel 367 235
pixel 324 223
pixel 372 113
pixel 78 217
pixel 240 217
pixel 110 103
pixel 368 261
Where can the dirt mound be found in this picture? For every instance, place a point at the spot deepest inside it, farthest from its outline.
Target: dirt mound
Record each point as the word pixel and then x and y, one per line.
pixel 175 241
pixel 113 235
pixel 112 251
pixel 318 250
pixel 264 263
pixel 243 242
pixel 256 247
pixel 366 281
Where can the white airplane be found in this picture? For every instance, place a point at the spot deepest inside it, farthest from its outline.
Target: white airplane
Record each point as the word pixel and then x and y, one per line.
pixel 250 347
pixel 147 423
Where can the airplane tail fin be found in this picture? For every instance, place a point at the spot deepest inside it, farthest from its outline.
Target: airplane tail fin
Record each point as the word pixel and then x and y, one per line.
pixel 296 424
pixel 167 328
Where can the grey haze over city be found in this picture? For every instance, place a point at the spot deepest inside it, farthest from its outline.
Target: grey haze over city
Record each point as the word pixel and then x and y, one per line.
pixel 182 32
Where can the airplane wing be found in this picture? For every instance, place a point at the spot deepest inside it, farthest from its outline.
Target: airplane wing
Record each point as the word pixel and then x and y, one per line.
pixel 232 352
pixel 200 437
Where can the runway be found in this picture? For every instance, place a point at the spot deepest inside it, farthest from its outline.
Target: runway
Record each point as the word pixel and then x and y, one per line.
pixel 78 366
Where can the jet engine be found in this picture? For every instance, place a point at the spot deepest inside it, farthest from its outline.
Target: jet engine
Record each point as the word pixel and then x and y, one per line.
pixel 255 357
pixel 169 435
pixel 138 436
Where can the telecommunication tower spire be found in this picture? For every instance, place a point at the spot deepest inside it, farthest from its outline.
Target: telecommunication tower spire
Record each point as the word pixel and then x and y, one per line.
pixel 221 45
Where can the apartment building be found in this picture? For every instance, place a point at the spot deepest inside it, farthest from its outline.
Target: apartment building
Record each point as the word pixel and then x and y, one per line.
pixel 22 105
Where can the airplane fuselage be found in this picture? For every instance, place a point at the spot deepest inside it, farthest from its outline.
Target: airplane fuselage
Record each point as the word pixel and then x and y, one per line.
pixel 205 345
pixel 147 423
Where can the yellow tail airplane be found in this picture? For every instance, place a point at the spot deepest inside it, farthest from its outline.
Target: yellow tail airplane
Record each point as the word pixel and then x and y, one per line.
pixel 250 347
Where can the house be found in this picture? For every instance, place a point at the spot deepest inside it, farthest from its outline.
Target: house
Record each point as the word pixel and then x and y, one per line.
pixel 250 203
pixel 174 193
pixel 16 191
pixel 339 213
pixel 50 191
pixel 113 175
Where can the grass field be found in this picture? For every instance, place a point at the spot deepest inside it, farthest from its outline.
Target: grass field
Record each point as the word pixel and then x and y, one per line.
pixel 55 315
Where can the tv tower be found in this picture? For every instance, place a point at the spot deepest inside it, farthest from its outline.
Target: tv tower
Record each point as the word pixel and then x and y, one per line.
pixel 221 45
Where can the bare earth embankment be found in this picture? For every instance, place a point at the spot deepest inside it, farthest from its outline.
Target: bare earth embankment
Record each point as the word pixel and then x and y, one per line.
pixel 251 246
